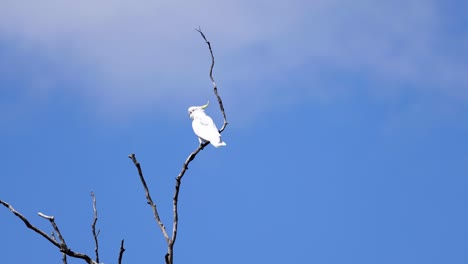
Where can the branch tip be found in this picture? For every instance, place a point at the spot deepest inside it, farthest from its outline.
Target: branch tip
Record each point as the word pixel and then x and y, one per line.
pixel 50 218
pixel 122 250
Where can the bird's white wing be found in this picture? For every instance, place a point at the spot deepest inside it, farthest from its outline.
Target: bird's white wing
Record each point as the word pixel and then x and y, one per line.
pixel 205 128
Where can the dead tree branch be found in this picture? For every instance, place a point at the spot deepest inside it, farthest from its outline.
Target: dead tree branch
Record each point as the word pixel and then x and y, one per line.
pixel 93 228
pixel 215 88
pixel 175 200
pixel 122 250
pixel 62 246
pixel 169 257
pixel 148 197
pixel 190 158
pixel 54 226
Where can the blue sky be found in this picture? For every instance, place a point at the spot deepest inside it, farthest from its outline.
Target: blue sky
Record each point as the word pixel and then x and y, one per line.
pixel 347 140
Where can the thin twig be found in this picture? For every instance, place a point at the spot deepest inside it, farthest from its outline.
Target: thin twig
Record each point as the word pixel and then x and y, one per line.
pixel 54 225
pixel 148 197
pixel 122 250
pixel 62 246
pixel 93 227
pixel 215 88
pixel 51 217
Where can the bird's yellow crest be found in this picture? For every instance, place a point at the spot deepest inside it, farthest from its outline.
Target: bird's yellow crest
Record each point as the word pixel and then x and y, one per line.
pixel 205 106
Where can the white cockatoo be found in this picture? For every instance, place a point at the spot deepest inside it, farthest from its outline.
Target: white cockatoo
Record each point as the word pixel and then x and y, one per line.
pixel 204 127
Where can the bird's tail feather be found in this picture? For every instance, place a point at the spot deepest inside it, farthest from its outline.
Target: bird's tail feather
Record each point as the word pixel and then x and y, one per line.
pixel 218 144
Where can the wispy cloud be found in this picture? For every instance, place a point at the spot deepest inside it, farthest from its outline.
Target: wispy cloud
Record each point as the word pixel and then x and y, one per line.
pixel 128 55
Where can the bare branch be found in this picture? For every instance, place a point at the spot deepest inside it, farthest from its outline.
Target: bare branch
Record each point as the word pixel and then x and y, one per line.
pixel 29 225
pixel 175 200
pixel 122 250
pixel 93 227
pixel 215 88
pixel 148 197
pixel 45 216
pixel 169 257
pixel 52 222
pixel 62 246
pixel 51 219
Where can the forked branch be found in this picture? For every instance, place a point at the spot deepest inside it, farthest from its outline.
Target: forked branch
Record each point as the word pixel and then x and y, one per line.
pixel 169 257
pixel 62 246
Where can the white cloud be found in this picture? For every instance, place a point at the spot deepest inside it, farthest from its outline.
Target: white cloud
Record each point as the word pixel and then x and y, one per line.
pixel 128 54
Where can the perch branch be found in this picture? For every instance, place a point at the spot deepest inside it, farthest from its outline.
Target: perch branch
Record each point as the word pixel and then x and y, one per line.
pixel 215 88
pixel 171 241
pixel 148 197
pixel 175 199
pixel 62 246
pixel 93 227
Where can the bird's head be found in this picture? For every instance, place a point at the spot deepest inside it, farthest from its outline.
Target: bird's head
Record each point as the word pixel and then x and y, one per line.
pixel 193 111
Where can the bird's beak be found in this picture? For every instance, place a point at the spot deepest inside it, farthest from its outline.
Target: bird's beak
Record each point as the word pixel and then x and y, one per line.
pixel 205 106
